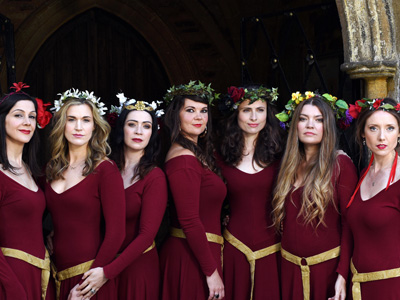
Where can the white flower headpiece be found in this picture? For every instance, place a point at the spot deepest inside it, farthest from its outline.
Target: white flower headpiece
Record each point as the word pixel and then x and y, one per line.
pixel 132 104
pixel 75 93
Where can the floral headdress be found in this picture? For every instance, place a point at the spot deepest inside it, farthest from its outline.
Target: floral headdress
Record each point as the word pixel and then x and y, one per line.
pixel 371 104
pixel 43 117
pixel 237 95
pixel 75 93
pixel 132 104
pixel 193 88
pixel 340 108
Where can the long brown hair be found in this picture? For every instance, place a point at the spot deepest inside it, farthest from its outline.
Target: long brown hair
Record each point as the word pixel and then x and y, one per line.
pixel 318 188
pixel 97 149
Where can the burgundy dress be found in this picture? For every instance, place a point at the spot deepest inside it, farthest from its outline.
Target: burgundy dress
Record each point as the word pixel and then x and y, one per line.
pixel 375 226
pixel 89 223
pixel 139 274
pixel 21 213
pixel 306 240
pixel 249 198
pixel 197 194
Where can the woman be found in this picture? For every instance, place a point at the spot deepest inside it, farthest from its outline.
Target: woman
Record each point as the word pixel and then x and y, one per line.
pixel 85 196
pixel 24 262
pixel 374 210
pixel 250 146
pixel 135 152
pixel 314 185
pixel 190 259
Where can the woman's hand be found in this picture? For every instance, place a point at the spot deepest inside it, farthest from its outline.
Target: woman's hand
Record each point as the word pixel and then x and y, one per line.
pixel 215 286
pixel 73 294
pixel 49 239
pixel 340 289
pixel 93 280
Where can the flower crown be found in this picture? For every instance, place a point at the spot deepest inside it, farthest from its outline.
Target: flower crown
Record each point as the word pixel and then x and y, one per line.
pixel 237 95
pixel 340 108
pixel 193 88
pixel 371 104
pixel 75 93
pixel 132 104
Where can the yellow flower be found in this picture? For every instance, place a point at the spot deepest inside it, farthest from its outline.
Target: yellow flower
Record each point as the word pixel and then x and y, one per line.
pixel 296 95
pixel 309 95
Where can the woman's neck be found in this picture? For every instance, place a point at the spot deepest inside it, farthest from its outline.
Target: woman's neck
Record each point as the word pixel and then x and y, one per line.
pixel 77 154
pixel 132 157
pixel 310 152
pixel 14 154
pixel 249 144
pixel 384 162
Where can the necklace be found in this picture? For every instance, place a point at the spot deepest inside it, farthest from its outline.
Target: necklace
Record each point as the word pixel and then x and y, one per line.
pixel 77 165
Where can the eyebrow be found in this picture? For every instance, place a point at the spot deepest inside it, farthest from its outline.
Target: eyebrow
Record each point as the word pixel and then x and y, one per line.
pixel 132 120
pixel 18 109
pixel 84 117
pixel 308 115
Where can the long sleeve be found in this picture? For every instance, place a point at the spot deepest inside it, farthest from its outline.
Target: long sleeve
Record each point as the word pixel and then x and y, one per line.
pixel 184 183
pixel 112 198
pixel 153 204
pixel 346 184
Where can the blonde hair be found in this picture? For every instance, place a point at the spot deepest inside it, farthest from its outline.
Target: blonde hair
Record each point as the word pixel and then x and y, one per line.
pixel 318 188
pixel 97 148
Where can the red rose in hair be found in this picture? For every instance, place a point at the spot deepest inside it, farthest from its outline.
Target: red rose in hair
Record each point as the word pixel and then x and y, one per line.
pixel 112 119
pixel 377 103
pixel 397 107
pixel 354 110
pixel 43 116
pixel 235 93
pixel 19 86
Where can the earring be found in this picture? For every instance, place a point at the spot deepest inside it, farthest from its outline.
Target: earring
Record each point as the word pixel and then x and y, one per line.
pixel 363 141
pixel 204 133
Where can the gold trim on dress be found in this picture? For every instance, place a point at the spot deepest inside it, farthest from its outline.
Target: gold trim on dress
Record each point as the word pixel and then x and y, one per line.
pixel 370 276
pixel 43 264
pixel 251 256
pixel 305 262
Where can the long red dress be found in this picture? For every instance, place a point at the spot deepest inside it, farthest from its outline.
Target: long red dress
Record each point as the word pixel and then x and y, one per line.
pixel 249 198
pixel 89 223
pixel 306 240
pixel 197 195
pixel 375 227
pixel 139 274
pixel 21 213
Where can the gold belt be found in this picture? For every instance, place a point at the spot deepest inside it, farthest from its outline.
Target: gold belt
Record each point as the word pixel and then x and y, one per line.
pixel 250 255
pixel 69 273
pixel 152 246
pixel 305 262
pixel 371 276
pixel 43 264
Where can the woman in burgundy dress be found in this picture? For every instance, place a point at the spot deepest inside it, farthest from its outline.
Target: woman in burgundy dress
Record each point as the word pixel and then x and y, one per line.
pixel 24 262
pixel 85 196
pixel 250 145
pixel 374 210
pixel 135 151
pixel 315 183
pixel 190 258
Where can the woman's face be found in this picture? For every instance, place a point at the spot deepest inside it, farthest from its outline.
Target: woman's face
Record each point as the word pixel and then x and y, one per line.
pixel 310 127
pixel 381 132
pixel 20 122
pixel 137 130
pixel 193 117
pixel 252 117
pixel 79 125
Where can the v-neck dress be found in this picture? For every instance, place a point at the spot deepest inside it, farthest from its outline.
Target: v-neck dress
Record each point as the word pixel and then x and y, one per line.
pixel 197 197
pixel 306 240
pixel 89 223
pixel 375 228
pixel 137 273
pixel 249 197
pixel 21 213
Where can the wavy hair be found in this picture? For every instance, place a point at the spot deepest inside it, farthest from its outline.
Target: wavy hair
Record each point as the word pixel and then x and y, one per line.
pixel 203 150
pixel 317 184
pixel 149 159
pixel 30 150
pixel 269 143
pixel 97 148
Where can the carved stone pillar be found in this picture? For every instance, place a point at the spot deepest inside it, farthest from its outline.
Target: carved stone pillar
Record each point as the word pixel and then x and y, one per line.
pixel 369 41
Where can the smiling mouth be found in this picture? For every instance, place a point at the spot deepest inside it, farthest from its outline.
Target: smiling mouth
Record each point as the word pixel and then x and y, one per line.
pixel 25 131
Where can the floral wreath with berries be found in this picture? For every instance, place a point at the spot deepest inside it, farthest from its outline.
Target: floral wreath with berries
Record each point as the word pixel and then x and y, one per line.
pixel 339 106
pixel 75 93
pixel 193 88
pixel 371 104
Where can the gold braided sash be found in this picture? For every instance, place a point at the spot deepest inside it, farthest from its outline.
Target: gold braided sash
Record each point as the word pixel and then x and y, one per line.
pixel 305 262
pixel 69 273
pixel 371 276
pixel 211 237
pixel 250 255
pixel 43 264
pixel 152 246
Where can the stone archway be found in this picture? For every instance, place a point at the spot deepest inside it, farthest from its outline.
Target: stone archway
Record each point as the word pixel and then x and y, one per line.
pixel 370 33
